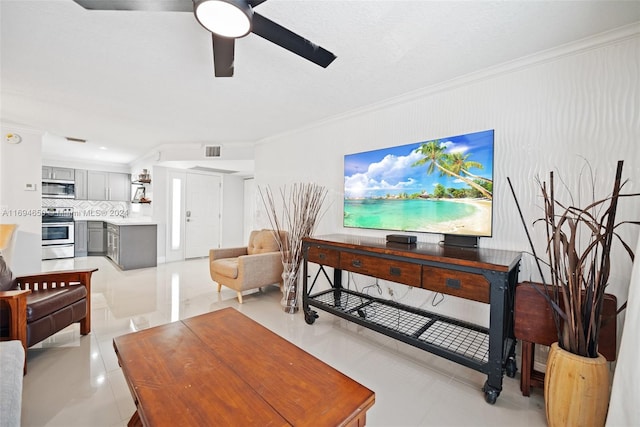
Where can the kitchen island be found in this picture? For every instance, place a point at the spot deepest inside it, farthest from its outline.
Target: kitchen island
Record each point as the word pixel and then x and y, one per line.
pixel 130 242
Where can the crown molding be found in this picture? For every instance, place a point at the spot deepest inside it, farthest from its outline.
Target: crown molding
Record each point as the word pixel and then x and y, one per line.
pixel 566 50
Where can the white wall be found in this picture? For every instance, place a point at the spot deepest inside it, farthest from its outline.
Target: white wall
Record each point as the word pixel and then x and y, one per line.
pixel 232 224
pixel 249 207
pixel 160 202
pixel 549 112
pixel 20 164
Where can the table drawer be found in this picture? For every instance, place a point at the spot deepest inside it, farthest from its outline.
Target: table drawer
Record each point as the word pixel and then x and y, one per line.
pixel 394 271
pixel 324 256
pixel 457 283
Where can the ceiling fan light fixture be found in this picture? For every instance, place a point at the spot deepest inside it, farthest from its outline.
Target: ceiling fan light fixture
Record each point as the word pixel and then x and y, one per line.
pixel 226 18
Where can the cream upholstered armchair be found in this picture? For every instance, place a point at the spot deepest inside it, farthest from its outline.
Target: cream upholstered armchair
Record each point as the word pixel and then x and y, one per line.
pixel 253 266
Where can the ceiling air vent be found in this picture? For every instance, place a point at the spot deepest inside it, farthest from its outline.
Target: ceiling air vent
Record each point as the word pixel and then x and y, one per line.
pixel 212 151
pixel 70 139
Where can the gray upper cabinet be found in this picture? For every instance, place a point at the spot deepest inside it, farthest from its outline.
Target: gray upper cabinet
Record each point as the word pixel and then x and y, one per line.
pixel 97 187
pixel 108 186
pixel 81 184
pixel 120 187
pixel 50 172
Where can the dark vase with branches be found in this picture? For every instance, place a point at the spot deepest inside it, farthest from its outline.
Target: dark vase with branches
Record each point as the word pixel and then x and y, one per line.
pixel 578 263
pixel 297 212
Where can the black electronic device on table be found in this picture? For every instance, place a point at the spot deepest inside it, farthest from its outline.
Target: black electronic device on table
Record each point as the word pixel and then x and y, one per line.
pixel 401 238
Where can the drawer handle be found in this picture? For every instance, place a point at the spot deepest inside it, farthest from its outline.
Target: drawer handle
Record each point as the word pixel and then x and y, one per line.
pixel 453 283
pixel 395 271
pixel 356 263
pixel 322 256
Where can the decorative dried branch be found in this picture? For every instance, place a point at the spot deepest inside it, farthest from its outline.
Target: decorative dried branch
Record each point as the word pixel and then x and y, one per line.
pixel 297 212
pixel 579 243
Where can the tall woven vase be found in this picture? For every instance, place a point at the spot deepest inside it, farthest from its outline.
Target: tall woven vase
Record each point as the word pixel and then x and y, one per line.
pixel 576 389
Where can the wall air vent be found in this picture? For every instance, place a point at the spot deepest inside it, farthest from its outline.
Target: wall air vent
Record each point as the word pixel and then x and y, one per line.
pixel 212 151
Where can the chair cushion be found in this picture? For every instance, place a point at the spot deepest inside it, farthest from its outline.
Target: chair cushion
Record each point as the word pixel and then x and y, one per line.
pixel 43 328
pixel 227 267
pixel 7 280
pixel 262 241
pixel 44 302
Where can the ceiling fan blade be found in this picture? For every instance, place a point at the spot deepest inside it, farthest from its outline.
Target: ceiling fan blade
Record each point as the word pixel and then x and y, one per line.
pixel 141 5
pixel 289 40
pixel 223 54
pixel 254 3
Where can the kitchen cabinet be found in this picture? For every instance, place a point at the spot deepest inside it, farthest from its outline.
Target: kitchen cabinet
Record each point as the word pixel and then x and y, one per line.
pixel 50 172
pixel 97 185
pixel 113 243
pixel 96 232
pixel 81 237
pixel 132 246
pixel 110 186
pixel 120 187
pixel 81 184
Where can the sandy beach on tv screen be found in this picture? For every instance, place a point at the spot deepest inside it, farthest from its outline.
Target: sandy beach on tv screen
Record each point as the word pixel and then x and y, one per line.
pixel 477 224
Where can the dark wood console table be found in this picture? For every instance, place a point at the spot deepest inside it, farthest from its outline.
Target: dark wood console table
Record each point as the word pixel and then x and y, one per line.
pixel 484 275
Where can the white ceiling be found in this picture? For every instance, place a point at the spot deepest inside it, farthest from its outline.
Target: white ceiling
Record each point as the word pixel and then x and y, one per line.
pixel 133 81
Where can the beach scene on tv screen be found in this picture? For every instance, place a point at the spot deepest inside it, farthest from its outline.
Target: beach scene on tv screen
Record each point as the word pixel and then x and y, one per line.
pixel 443 185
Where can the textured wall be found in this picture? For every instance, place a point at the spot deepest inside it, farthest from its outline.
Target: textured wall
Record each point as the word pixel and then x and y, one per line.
pixel 561 110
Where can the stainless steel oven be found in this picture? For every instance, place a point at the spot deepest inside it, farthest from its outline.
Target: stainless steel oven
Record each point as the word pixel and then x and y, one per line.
pixel 57 233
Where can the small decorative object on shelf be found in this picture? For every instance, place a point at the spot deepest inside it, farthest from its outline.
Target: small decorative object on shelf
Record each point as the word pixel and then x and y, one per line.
pixel 139 196
pixel 144 177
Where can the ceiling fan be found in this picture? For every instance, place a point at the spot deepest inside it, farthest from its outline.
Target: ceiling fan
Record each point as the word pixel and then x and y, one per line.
pixel 227 20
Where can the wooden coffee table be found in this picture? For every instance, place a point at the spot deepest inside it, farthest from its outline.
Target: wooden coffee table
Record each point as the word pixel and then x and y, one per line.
pixel 222 368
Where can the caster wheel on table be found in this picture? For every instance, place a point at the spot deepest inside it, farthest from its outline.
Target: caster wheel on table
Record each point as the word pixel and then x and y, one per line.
pixel 310 317
pixel 490 394
pixel 511 367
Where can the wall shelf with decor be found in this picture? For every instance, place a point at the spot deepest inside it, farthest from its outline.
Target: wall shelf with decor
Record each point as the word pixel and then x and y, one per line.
pixel 140 193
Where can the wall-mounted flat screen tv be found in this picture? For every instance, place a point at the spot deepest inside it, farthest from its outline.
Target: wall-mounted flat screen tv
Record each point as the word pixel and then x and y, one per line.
pixel 441 186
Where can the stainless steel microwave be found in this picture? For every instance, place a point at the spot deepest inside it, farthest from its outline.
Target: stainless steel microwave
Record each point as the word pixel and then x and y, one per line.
pixel 58 189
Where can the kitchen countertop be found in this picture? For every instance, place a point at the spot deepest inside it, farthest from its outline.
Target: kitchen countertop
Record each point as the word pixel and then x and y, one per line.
pixel 118 221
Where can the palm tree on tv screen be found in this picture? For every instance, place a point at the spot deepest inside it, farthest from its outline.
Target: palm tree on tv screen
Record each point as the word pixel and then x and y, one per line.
pixel 460 164
pixel 450 164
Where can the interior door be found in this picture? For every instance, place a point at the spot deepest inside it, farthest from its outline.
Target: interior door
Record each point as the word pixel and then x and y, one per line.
pixel 202 214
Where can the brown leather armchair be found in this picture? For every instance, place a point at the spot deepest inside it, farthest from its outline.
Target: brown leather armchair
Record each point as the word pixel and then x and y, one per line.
pixel 37 306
